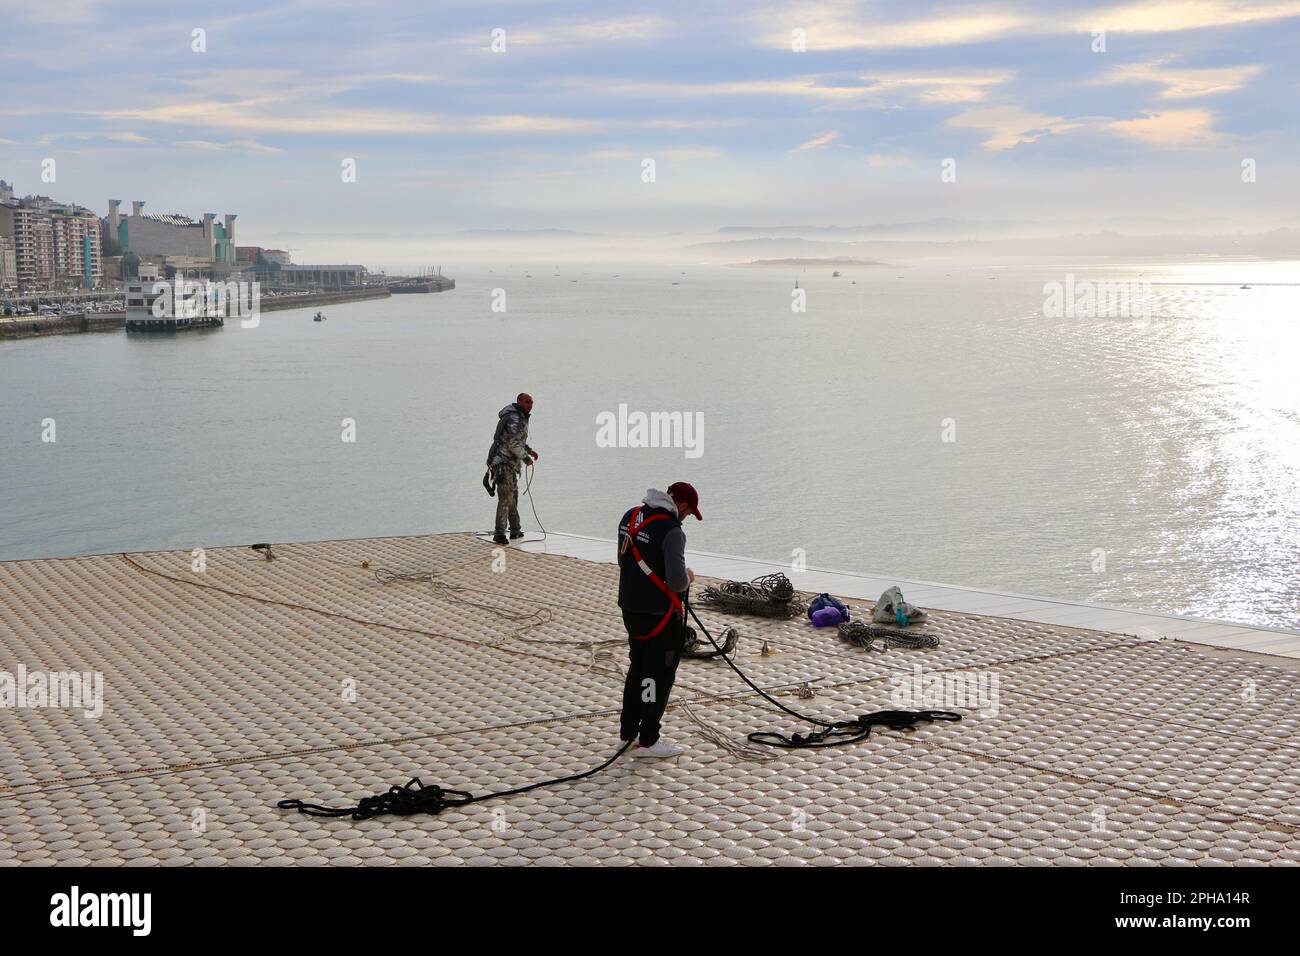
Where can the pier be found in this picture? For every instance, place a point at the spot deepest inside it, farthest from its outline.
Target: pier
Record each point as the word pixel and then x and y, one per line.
pixel 304 676
pixel 418 284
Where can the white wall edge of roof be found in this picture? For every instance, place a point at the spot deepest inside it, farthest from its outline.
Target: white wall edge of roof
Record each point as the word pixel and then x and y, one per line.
pixel 1217 633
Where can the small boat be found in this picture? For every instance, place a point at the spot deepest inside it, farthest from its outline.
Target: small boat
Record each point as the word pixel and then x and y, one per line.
pixel 835 274
pixel 318 317
pixel 1245 287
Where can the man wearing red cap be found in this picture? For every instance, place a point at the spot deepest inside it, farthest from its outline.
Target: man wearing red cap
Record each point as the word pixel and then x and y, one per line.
pixel 653 581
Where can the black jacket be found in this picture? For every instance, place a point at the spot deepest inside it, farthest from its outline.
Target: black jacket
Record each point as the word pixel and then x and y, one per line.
pixel 662 544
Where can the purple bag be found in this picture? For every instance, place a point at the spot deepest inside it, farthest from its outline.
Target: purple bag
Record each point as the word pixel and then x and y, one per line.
pixel 828 616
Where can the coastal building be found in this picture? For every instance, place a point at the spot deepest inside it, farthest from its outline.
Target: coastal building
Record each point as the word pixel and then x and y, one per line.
pixel 251 255
pixel 172 234
pixel 8 264
pixel 311 277
pixel 31 230
pixel 187 305
pixel 78 257
pixel 54 244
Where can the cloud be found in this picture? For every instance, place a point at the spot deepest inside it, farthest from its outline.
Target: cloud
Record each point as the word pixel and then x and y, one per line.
pixel 882 88
pixel 1189 127
pixel 1170 16
pixel 885 160
pixel 675 153
pixel 1010 126
pixel 933 87
pixel 848 25
pixel 566 35
pixel 270 115
pixel 1183 82
pixel 817 142
pixel 809 86
pixel 239 145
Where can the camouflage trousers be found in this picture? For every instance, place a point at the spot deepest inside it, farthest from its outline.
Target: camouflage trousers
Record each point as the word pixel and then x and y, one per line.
pixel 507 482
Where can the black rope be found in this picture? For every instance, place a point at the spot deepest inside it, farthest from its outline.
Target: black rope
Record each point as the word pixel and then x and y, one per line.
pixel 834 734
pixel 415 797
pixel 845 732
pixel 866 635
pixel 692 644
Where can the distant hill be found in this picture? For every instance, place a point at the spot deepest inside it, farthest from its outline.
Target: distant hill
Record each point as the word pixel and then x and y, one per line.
pixel 529 233
pixel 942 228
pixel 833 262
pixel 1276 244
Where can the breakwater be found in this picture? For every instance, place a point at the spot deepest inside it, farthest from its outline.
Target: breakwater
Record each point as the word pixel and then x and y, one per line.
pixel 27 326
pixel 279 302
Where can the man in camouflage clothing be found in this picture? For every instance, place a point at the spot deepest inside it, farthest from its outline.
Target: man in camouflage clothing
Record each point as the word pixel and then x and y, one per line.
pixel 506 458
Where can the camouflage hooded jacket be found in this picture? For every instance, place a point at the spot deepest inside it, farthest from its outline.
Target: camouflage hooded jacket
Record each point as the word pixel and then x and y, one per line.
pixel 510 443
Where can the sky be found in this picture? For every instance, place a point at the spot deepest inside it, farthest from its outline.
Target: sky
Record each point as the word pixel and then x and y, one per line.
pixel 754 114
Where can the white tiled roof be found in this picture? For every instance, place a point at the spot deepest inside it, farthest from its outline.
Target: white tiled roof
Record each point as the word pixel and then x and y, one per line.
pixel 225 693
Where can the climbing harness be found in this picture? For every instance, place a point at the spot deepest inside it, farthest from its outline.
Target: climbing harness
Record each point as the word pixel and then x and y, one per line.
pixel 634 525
pixel 866 635
pixel 771 595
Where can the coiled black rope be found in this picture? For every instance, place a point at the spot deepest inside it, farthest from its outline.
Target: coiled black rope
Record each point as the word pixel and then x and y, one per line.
pixel 833 733
pixel 415 797
pixel 844 732
pixel 692 645
pixel 771 595
pixel 866 635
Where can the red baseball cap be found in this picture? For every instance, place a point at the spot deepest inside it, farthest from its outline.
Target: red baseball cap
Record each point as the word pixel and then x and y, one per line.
pixel 687 495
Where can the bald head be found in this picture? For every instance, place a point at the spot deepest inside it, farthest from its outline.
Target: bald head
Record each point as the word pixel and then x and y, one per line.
pixel 524 401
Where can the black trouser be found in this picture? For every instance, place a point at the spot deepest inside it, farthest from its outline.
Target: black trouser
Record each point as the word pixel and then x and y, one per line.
pixel 652 667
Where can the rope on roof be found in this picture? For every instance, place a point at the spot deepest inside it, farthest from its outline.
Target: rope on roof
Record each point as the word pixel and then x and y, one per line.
pixel 771 595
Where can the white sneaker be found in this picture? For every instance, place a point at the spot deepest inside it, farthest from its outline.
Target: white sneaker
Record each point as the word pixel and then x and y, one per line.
pixel 661 749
